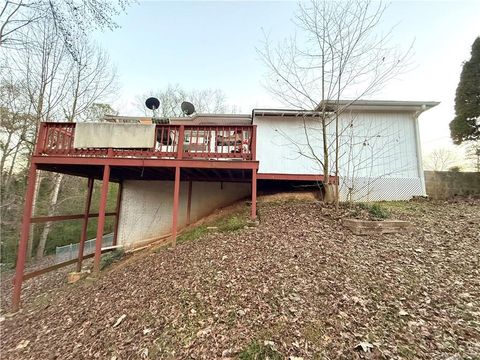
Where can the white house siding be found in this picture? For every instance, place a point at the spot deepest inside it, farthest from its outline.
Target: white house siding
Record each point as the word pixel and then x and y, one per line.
pixel 146 209
pixel 378 154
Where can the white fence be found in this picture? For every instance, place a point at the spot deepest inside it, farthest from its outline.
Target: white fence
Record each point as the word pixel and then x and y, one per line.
pixel 69 252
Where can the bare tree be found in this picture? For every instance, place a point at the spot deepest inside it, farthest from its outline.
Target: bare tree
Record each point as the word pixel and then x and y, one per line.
pixel 336 55
pixel 16 126
pixel 48 72
pixel 15 15
pixel 97 112
pixel 440 159
pixel 473 154
pixel 71 19
pixel 205 101
pixel 41 68
pixel 48 84
pixel 91 78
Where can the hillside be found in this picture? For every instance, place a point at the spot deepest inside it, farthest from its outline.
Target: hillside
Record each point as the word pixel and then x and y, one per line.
pixel 298 285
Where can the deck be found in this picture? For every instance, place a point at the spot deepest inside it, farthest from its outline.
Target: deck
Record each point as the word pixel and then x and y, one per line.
pixel 206 152
pixel 199 142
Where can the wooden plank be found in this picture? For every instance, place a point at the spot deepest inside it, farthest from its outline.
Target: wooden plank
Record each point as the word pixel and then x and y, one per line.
pixel 40 219
pixel 62 264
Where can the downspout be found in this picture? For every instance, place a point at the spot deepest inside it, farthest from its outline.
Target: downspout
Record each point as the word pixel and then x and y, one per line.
pixel 420 171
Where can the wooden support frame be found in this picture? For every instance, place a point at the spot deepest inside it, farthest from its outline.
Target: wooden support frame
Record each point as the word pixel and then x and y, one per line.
pixel 144 163
pixel 62 264
pixel 42 219
pixel 22 249
pixel 54 150
pixel 181 139
pixel 83 236
pixel 176 198
pixel 101 218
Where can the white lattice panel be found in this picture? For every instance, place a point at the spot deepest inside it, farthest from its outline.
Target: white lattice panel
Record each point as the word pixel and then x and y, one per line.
pixel 371 189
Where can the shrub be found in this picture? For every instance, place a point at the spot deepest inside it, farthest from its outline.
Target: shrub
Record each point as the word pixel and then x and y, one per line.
pixel 110 257
pixel 455 169
pixel 375 211
pixel 378 212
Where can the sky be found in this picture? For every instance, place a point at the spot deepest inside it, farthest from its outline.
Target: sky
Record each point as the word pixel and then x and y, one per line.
pixel 200 44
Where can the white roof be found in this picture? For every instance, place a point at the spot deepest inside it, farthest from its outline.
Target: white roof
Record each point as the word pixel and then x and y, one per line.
pixel 358 105
pixel 382 105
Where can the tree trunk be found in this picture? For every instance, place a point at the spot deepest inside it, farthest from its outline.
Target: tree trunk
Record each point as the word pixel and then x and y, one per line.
pixel 51 211
pixel 5 153
pixel 329 193
pixel 8 178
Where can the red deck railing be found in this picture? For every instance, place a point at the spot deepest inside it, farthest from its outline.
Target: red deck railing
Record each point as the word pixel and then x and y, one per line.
pixel 209 142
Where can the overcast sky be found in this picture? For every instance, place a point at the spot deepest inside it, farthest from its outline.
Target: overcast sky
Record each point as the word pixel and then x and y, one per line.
pixel 200 45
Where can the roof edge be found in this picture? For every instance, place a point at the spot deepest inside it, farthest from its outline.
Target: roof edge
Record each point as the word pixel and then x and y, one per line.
pixel 380 105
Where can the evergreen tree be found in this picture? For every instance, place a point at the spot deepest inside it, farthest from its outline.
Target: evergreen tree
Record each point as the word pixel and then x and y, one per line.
pixel 466 124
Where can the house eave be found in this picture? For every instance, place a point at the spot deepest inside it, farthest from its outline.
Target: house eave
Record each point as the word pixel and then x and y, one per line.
pixel 379 105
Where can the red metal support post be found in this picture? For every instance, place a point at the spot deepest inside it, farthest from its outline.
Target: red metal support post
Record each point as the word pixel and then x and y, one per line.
pixel 22 248
pixel 83 238
pixel 176 196
pixel 117 211
pixel 101 218
pixel 254 194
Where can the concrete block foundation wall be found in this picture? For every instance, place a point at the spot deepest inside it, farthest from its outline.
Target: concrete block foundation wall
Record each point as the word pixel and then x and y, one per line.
pixel 146 209
pixel 445 184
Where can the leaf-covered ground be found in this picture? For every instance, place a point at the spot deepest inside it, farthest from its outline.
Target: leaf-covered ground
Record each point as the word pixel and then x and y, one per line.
pixel 299 285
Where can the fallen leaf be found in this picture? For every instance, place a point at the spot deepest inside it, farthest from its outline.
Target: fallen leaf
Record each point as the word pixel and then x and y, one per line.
pixel 144 353
pixel 364 345
pixel 22 344
pixel 119 320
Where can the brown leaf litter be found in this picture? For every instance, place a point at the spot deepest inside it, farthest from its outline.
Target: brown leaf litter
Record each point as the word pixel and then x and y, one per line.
pixel 299 281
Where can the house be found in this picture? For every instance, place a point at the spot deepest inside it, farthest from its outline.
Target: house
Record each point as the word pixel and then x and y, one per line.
pixel 174 171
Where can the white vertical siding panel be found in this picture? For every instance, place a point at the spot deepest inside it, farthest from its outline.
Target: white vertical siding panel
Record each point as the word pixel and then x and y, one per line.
pixel 280 142
pixel 384 147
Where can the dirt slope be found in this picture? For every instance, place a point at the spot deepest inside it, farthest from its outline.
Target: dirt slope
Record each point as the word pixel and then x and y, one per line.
pixel 297 285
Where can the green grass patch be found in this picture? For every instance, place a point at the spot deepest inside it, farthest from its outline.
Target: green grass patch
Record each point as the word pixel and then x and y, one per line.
pixel 109 258
pixel 229 223
pixel 193 234
pixel 233 223
pixel 259 351
pixel 375 210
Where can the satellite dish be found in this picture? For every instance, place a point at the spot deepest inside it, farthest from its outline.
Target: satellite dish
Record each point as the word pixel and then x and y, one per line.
pixel 152 103
pixel 188 108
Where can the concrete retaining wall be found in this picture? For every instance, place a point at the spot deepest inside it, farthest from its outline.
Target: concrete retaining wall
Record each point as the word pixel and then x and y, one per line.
pixel 445 184
pixel 146 210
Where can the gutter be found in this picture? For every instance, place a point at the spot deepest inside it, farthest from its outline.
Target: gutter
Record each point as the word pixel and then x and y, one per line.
pixel 420 171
